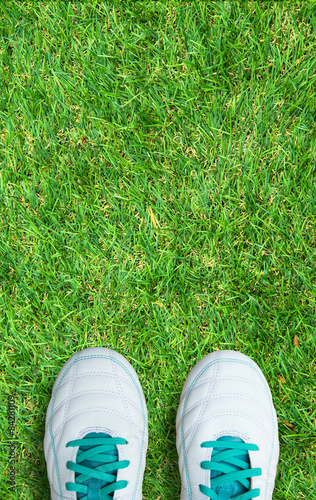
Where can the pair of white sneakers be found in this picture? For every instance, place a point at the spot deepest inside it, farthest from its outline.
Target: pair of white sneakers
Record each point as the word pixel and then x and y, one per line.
pixel 96 433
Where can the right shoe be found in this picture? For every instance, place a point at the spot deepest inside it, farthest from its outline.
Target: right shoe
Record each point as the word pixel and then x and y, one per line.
pixel 96 432
pixel 227 432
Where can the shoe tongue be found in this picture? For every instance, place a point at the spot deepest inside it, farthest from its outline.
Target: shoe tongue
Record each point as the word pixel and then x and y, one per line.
pixel 224 495
pixel 233 488
pixel 95 485
pixel 94 489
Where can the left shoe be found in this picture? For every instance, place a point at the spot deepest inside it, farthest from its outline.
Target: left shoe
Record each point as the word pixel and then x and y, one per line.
pixel 96 429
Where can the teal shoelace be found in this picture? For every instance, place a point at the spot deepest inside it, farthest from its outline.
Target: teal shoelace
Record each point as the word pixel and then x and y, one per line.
pixel 230 470
pixel 96 467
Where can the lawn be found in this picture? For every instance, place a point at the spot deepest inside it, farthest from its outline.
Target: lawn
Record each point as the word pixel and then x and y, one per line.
pixel 158 197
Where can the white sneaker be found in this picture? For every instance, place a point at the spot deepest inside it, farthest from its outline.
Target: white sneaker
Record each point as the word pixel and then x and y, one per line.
pixel 96 429
pixel 227 432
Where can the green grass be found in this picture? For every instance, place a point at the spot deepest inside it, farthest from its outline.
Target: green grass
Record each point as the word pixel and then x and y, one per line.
pixel 158 197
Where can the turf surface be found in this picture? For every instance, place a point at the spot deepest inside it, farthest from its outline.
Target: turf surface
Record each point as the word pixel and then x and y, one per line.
pixel 157 197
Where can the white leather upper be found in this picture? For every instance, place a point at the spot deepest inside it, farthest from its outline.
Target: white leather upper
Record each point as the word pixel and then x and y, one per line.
pixel 226 394
pixel 97 390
